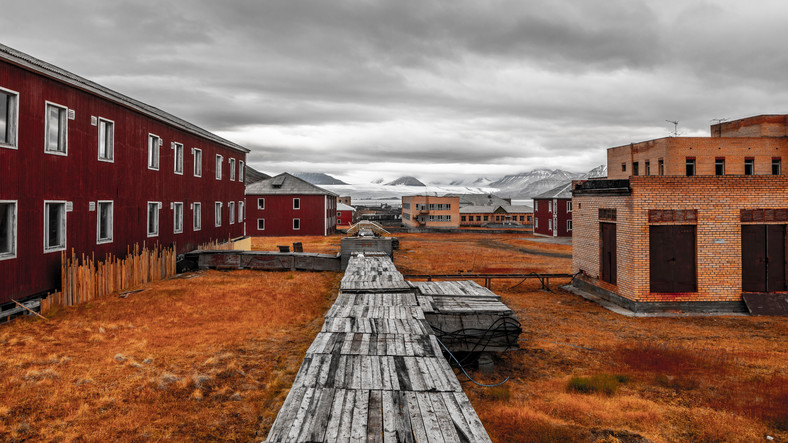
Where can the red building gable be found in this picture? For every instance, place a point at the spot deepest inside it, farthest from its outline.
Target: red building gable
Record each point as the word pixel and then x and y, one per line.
pixel 286 205
pixel 85 168
pixel 553 212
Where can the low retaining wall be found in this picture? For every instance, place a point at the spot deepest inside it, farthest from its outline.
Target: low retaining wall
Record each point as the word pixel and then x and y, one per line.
pixel 262 260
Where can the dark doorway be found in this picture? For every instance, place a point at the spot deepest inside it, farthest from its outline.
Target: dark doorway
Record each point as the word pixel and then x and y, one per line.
pixel 607 236
pixel 763 258
pixel 672 258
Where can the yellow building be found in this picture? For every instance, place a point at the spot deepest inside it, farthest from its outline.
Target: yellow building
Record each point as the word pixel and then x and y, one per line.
pixel 424 211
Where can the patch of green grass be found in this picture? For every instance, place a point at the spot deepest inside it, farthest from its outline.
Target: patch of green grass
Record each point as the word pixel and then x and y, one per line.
pixel 600 383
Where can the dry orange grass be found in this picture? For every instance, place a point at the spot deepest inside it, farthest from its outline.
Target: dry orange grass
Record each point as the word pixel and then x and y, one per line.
pixel 317 244
pixel 201 359
pixel 689 378
pixel 479 253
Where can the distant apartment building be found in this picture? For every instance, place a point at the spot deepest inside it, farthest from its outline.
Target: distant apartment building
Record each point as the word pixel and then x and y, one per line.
pixel 285 205
pixel 424 211
pixel 553 212
pixel 687 223
pixel 500 214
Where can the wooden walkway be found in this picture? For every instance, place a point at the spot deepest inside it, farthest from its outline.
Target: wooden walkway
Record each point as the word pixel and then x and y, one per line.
pixel 376 371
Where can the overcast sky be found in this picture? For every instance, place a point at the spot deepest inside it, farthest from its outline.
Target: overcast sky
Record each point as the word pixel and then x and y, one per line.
pixel 446 89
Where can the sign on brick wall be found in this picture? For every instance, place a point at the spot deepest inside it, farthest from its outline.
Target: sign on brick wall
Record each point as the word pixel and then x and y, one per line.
pixel 672 215
pixel 764 215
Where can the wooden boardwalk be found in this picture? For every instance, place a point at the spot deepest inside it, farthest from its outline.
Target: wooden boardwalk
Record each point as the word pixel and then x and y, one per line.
pixel 376 371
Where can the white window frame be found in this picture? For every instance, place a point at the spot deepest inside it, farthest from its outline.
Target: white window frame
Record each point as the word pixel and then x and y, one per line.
pixel 175 214
pixel 13 230
pixel 217 214
pixel 261 206
pixel 569 225
pixel 569 206
pixel 241 169
pixel 296 203
pixel 258 224
pixel 196 216
pixel 158 219
pixel 177 160
pixel 197 165
pixel 110 143
pixel 550 224
pixel 155 146
pixel 536 223
pixel 12 125
pixel 219 160
pixel 241 211
pixel 99 240
pixel 232 169
pixel 62 135
pixel 231 212
pixel 297 220
pixel 549 206
pixel 63 227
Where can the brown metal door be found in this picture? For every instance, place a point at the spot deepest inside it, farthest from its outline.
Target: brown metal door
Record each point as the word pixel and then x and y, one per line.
pixel 775 258
pixel 607 236
pixel 763 258
pixel 672 258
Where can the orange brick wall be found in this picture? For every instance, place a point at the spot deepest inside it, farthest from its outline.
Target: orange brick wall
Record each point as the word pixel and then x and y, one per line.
pixel 675 150
pixel 757 126
pixel 718 200
pixel 409 211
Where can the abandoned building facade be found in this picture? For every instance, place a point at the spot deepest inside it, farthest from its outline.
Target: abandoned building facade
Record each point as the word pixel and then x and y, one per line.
pixel 553 212
pixel 287 205
pixel 687 223
pixel 425 211
pixel 90 170
pixel 501 214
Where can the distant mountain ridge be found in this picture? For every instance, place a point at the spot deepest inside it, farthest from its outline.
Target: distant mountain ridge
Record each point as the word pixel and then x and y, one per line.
pixel 318 178
pixel 406 181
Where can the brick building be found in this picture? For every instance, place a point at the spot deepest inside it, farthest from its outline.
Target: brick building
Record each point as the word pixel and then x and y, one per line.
pixel 286 205
pixel 420 211
pixel 553 212
pixel 687 223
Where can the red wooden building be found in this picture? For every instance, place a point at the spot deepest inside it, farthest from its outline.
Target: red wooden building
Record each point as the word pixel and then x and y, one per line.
pixel 346 214
pixel 286 205
pixel 85 168
pixel 553 212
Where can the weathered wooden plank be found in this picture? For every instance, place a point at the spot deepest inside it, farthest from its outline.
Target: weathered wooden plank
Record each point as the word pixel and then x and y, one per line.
pixel 360 416
pixel 375 417
pixel 416 416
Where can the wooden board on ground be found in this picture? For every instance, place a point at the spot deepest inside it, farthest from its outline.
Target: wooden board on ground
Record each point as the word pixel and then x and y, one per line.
pixel 376 373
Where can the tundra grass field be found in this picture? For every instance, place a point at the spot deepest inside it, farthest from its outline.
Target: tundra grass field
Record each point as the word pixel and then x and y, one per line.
pixel 212 357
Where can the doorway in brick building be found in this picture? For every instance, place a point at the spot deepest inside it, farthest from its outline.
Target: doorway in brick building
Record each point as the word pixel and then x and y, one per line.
pixel 607 262
pixel 672 258
pixel 763 258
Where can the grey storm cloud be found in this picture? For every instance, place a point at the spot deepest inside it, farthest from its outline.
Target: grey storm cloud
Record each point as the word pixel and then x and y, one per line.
pixel 474 87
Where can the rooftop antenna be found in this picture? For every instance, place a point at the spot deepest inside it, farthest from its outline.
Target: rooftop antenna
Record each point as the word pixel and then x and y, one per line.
pixel 675 127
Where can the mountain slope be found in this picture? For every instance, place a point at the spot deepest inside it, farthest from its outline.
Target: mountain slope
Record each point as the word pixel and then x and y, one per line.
pixel 407 181
pixel 318 178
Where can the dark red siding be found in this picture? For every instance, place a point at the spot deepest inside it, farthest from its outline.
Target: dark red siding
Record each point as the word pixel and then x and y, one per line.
pixel 31 176
pixel 317 215
pixel 344 218
pixel 558 217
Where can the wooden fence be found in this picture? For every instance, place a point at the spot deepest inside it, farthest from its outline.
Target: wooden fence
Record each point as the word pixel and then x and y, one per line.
pixel 84 279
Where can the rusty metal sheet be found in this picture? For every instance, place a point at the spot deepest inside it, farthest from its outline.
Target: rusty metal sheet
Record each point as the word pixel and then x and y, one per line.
pixel 766 304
